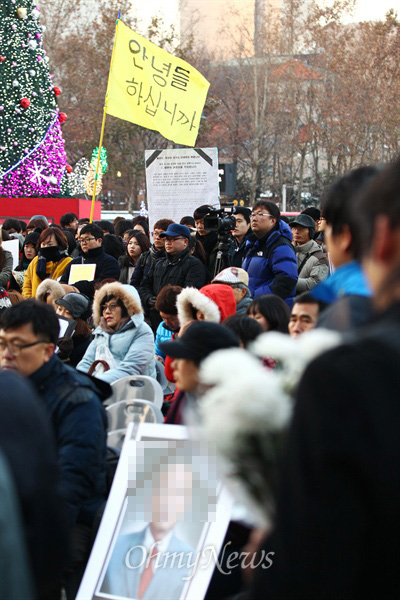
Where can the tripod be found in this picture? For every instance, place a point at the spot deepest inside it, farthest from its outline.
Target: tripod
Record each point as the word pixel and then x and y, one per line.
pixel 223 260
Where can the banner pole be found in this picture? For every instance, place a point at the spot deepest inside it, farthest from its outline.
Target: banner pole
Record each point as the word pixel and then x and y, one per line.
pixel 103 124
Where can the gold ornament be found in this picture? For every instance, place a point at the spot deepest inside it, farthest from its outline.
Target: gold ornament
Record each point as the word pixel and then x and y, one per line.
pixel 22 12
pixel 89 181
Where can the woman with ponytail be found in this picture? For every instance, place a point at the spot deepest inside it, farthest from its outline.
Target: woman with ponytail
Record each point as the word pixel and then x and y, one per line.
pixel 51 261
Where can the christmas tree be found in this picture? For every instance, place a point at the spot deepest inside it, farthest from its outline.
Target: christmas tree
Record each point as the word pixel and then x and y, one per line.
pixel 32 155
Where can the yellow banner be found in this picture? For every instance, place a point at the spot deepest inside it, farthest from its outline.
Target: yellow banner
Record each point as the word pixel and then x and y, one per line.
pixel 154 89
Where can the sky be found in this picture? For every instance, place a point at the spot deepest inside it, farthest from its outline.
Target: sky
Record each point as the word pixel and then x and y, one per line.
pixel 366 10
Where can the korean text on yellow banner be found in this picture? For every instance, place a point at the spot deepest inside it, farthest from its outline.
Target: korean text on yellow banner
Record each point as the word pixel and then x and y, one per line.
pixel 154 89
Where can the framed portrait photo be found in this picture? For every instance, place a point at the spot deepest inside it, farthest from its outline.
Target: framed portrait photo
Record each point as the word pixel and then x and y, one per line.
pixel 164 522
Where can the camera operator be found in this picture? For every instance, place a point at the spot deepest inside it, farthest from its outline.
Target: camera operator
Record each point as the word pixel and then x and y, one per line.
pixel 240 234
pixel 214 232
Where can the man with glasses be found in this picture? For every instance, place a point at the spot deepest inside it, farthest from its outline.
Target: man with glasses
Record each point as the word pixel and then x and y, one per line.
pixel 28 336
pixel 270 259
pixel 92 252
pixel 179 267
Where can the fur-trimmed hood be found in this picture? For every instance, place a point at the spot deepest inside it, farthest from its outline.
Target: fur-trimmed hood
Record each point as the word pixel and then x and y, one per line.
pixel 216 301
pixel 49 286
pixel 128 296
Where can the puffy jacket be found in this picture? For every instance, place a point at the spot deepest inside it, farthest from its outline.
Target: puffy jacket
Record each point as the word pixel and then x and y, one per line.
pixel 184 270
pixel 132 347
pixel 32 280
pixel 106 268
pixel 216 301
pixel 312 265
pixel 271 263
pixel 80 428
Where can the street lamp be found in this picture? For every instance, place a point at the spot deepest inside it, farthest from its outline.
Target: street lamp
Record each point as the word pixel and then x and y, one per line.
pixel 119 174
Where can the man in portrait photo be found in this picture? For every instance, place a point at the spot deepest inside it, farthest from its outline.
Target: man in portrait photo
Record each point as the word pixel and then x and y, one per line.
pixel 154 563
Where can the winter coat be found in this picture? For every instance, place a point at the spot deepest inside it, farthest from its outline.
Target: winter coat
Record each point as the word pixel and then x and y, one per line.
pixel 238 252
pixel 216 301
pixel 125 265
pixel 73 349
pixel 54 270
pixel 16 580
pixel 184 270
pixel 312 266
pixel 27 442
pixel 339 484
pixel 271 263
pixel 5 273
pixel 106 268
pixel 132 347
pixel 80 427
pixel 143 265
pixel 49 286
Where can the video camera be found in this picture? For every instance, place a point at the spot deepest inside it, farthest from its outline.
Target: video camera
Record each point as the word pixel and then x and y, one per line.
pixel 220 220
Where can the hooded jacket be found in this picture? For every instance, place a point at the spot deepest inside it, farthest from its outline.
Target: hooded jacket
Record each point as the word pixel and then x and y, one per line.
pixel 132 347
pixel 312 265
pixel 271 263
pixel 49 286
pixel 216 301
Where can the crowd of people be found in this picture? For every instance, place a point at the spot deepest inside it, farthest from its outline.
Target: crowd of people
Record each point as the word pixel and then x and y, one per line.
pixel 157 303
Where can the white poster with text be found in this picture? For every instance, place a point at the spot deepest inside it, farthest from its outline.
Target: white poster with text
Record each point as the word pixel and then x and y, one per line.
pixel 179 180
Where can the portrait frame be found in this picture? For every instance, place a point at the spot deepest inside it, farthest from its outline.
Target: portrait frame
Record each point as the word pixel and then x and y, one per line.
pixel 210 538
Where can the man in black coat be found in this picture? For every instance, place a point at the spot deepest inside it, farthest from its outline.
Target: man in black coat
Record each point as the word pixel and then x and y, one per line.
pixel 337 528
pixel 91 241
pixel 28 335
pixel 178 268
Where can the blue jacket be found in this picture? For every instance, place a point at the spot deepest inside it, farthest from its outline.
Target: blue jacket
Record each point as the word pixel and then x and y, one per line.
pixel 271 264
pixel 162 335
pixel 131 348
pixel 80 428
pixel 346 280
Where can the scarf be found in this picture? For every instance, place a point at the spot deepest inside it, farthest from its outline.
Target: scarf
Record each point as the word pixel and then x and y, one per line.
pixel 118 327
pixel 50 254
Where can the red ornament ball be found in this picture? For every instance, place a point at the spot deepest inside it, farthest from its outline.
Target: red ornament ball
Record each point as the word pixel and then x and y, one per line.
pixel 2 58
pixel 62 117
pixel 68 168
pixel 57 90
pixel 25 102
